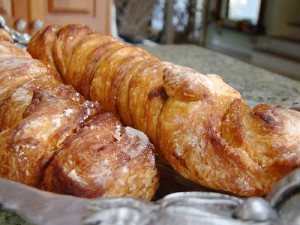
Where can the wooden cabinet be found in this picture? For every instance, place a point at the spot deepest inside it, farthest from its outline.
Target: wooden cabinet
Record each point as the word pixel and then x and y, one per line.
pixel 31 15
pixel 15 13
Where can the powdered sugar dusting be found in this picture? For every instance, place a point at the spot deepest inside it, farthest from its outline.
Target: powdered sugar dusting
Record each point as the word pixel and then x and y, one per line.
pixel 138 144
pixel 118 129
pixel 143 139
pixel 57 121
pixel 117 133
pixel 73 175
pixel 125 169
pixel 68 112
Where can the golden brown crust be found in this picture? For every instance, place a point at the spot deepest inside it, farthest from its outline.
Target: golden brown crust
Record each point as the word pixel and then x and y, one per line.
pixel 38 135
pixel 8 50
pixel 125 76
pixel 106 70
pixel 201 125
pixel 82 53
pixel 41 45
pixel 233 149
pixel 67 38
pixel 45 124
pixel 12 108
pixel 43 49
pixel 21 70
pixel 5 37
pixel 147 97
pixel 96 57
pixel 88 166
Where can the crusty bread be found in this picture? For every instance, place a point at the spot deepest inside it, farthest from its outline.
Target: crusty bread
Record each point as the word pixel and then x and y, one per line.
pixel 200 125
pixel 53 139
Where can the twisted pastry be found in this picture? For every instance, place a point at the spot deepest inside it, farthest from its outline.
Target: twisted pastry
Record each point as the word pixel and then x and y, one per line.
pixel 51 138
pixel 200 125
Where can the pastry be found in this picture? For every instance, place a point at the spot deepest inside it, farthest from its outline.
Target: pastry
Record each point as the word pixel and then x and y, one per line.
pixel 53 139
pixel 199 124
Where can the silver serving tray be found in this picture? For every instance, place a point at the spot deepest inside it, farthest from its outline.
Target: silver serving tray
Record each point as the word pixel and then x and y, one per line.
pixel 281 206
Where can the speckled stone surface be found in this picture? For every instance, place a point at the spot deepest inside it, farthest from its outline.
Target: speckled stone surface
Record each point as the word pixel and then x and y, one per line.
pixel 9 218
pixel 254 84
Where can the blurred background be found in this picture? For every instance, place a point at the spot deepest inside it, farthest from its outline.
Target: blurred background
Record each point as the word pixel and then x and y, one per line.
pixel 265 33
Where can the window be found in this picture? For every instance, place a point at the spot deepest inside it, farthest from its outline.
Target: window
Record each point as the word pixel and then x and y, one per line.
pixel 244 10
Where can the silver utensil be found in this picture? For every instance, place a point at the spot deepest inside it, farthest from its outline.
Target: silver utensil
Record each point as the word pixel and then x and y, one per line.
pixel 281 206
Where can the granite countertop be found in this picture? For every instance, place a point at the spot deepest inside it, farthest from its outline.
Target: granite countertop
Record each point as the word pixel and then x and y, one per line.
pixel 254 84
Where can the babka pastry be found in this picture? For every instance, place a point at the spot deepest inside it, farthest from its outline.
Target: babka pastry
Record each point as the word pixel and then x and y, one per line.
pixel 200 125
pixel 52 138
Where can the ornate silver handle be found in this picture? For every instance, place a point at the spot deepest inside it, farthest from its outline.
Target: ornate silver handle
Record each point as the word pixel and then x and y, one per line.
pixel 21 25
pixel 282 206
pixel 20 39
pixel 37 25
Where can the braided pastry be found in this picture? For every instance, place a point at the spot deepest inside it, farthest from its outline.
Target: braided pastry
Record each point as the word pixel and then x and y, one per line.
pixel 51 138
pixel 200 125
